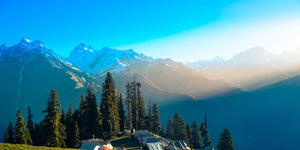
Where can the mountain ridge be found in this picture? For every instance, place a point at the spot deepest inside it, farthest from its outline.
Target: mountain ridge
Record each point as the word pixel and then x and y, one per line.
pixel 251 69
pixel 29 71
pixel 163 74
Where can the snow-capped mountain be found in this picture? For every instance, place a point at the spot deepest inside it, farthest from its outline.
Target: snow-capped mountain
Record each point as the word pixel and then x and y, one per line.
pixel 163 75
pixel 28 72
pixel 101 61
pixel 251 69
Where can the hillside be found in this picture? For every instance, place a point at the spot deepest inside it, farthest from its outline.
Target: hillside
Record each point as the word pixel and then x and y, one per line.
pixel 162 77
pixel 29 71
pixel 251 69
pixel 125 142
pixel 7 146
pixel 267 115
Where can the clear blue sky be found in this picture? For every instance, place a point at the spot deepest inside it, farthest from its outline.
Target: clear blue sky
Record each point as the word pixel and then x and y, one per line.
pixel 182 30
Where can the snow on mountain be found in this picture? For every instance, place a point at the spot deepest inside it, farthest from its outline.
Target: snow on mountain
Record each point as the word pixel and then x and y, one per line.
pixel 104 60
pixel 163 75
pixel 29 70
pixel 27 49
pixel 251 69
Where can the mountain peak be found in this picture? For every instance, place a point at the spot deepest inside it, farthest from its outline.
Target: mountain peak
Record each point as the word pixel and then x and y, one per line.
pixel 26 43
pixel 253 53
pixel 82 48
pixel 257 50
pixel 219 59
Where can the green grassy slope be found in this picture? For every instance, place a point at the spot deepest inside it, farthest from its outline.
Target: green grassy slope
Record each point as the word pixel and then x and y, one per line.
pixel 126 142
pixel 6 146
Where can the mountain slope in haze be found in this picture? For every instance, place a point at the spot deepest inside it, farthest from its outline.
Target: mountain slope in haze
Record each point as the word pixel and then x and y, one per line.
pixel 267 118
pixel 251 69
pixel 29 71
pixel 163 75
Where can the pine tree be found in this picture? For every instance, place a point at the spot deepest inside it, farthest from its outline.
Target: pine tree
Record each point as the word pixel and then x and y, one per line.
pixel 195 136
pixel 189 133
pixel 169 129
pixel 63 117
pixel 93 116
pixel 75 115
pixel 22 136
pixel 109 109
pixel 9 134
pixel 69 127
pixel 156 120
pixel 28 138
pixel 76 140
pixel 81 117
pixel 162 133
pixel 29 121
pixel 82 105
pixel 37 135
pixel 179 129
pixel 134 106
pixel 121 113
pixel 52 129
pixel 72 130
pixel 141 109
pixel 150 118
pixel 205 133
pixel 128 106
pixel 225 142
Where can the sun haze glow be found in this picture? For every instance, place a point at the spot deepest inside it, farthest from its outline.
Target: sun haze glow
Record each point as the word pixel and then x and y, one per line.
pixel 181 30
pixel 205 43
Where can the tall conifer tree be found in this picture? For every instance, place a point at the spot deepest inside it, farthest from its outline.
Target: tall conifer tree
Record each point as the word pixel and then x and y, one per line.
pixel 52 128
pixel 156 120
pixel 150 117
pixel 128 107
pixel 38 136
pixel 109 109
pixel 179 129
pixel 22 136
pixel 121 113
pixel 225 142
pixel 92 115
pixel 189 133
pixel 29 121
pixel 169 129
pixel 69 127
pixel 81 117
pixel 28 137
pixel 9 134
pixel 205 133
pixel 141 109
pixel 134 106
pixel 195 136
pixel 72 130
pixel 76 140
pixel 63 117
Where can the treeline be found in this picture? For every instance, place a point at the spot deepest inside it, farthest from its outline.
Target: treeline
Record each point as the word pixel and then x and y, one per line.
pixel 197 136
pixel 60 129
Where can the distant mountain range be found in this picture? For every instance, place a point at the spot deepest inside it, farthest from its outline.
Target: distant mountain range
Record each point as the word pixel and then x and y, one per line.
pixel 29 70
pixel 265 118
pixel 252 69
pixel 159 77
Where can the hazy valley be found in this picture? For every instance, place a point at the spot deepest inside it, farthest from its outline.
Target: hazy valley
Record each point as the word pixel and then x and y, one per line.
pixel 29 70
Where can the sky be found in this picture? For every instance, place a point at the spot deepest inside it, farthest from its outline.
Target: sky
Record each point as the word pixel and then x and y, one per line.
pixel 184 31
